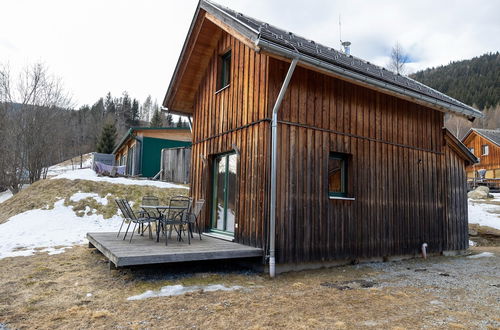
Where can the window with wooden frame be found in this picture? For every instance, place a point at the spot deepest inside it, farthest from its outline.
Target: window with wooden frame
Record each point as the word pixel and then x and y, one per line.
pixel 337 174
pixel 485 150
pixel 472 150
pixel 225 70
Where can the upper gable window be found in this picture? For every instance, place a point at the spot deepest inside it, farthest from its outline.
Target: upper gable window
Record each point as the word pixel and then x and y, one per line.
pixel 485 150
pixel 225 70
pixel 472 150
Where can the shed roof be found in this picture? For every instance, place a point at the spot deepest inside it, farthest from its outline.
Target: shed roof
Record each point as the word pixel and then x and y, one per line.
pixel 133 129
pixel 288 44
pixel 491 134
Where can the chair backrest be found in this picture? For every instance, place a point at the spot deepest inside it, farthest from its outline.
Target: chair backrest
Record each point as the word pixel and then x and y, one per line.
pixel 121 207
pixel 130 213
pixel 195 213
pixel 150 201
pixel 198 206
pixel 179 207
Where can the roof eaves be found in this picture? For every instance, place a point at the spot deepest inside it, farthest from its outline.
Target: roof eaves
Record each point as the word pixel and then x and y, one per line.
pixel 480 132
pixel 122 140
pixel 353 75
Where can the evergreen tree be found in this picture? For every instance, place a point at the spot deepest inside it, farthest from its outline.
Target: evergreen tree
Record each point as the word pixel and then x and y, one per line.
pixel 135 112
pixel 169 121
pixel 180 122
pixel 157 120
pixel 109 104
pixel 107 139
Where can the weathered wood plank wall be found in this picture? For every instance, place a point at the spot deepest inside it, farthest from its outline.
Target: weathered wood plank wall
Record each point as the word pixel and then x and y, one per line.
pixel 456 236
pixel 490 162
pixel 395 173
pixel 235 117
pixel 398 172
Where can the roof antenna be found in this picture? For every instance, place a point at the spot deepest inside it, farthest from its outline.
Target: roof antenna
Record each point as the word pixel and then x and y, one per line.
pixel 345 45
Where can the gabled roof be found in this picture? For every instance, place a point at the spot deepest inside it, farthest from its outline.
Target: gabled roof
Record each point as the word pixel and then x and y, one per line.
pixel 287 44
pixel 460 148
pixel 492 135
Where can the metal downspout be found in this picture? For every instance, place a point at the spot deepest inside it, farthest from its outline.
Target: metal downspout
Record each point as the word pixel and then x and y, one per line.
pixel 274 151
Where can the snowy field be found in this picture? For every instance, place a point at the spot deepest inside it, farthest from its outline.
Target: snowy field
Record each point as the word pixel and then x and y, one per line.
pixel 485 214
pixel 88 174
pixel 53 230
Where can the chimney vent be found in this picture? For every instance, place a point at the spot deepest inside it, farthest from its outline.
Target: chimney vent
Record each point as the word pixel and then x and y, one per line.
pixel 347 47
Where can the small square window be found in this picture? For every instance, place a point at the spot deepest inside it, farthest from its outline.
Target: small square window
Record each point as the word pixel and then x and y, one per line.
pixel 337 174
pixel 225 70
pixel 485 150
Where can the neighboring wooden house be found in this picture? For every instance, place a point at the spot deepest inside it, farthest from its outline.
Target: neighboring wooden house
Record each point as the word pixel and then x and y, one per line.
pixel 363 166
pixel 140 148
pixel 485 145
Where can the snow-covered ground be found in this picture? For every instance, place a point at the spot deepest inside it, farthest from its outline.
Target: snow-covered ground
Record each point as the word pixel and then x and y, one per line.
pixel 53 230
pixel 176 290
pixel 5 195
pixel 47 229
pixel 88 174
pixel 485 214
pixel 60 169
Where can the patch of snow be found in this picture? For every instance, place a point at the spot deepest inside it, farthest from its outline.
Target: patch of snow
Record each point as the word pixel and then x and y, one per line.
pixel 176 290
pixel 472 243
pixel 89 294
pixel 483 215
pixel 5 195
pixel 79 196
pixel 88 174
pixel 22 234
pixel 482 255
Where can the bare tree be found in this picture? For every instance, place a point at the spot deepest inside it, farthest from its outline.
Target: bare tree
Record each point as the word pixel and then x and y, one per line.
pixel 457 125
pixel 398 59
pixel 31 106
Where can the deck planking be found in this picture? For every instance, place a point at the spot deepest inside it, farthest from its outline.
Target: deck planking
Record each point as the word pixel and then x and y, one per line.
pixel 145 251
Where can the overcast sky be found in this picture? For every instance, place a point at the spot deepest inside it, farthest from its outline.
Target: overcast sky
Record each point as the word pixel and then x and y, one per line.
pixel 97 46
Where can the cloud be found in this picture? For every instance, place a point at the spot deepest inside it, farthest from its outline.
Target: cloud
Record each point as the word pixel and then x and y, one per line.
pixel 99 46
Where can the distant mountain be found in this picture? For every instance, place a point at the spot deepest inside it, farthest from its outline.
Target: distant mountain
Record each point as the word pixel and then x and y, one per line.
pixel 474 82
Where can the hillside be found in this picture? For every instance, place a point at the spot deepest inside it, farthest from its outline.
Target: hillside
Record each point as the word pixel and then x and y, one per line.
pixel 474 82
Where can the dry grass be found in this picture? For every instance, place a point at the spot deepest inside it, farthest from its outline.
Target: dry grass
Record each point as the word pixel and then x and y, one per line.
pixel 50 292
pixel 44 193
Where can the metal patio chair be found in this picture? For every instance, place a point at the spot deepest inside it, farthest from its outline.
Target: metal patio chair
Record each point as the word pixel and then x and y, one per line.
pixel 130 215
pixel 193 217
pixel 176 216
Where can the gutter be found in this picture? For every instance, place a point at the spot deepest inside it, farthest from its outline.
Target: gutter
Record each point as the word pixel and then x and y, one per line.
pixel 274 173
pixel 277 49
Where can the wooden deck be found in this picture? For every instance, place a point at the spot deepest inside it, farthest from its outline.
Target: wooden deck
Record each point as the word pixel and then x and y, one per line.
pixel 144 251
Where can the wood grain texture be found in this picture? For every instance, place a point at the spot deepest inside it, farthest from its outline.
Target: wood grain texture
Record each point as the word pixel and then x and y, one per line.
pixel 490 162
pixel 145 251
pixel 407 183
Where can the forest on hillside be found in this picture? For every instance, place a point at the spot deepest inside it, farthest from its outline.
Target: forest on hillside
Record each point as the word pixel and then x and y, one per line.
pixel 475 82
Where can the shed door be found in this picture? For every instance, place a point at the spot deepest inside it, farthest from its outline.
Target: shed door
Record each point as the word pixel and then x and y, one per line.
pixel 224 194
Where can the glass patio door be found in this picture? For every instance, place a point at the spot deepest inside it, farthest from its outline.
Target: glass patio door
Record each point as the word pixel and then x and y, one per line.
pixel 224 194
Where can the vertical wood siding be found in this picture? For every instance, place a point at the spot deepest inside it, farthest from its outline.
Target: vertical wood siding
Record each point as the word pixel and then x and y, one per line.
pixel 396 173
pixel 235 117
pixel 489 162
pixel 407 185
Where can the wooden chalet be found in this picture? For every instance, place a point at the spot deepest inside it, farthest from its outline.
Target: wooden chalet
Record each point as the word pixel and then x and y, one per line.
pixel 314 155
pixel 485 145
pixel 140 148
